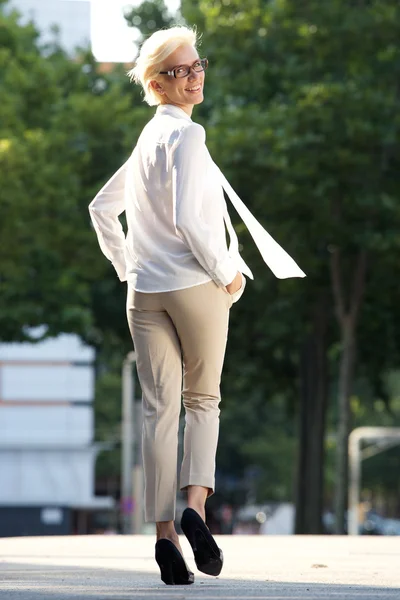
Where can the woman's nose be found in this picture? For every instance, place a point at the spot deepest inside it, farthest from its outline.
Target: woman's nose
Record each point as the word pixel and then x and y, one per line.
pixel 193 74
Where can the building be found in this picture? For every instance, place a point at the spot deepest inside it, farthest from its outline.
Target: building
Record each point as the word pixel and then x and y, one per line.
pixel 47 453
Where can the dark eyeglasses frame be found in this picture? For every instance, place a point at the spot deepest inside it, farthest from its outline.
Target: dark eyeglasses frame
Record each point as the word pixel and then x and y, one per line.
pixel 204 64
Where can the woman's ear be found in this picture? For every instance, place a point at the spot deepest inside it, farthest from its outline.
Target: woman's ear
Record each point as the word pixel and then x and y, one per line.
pixel 157 87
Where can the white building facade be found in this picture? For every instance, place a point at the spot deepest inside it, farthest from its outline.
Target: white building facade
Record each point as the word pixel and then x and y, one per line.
pixel 47 452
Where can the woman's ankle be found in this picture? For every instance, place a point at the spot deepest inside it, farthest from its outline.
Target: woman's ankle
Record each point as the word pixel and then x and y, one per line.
pixel 166 529
pixel 196 499
pixel 199 508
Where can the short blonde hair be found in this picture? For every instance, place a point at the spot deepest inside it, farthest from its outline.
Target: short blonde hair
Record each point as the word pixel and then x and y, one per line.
pixel 154 51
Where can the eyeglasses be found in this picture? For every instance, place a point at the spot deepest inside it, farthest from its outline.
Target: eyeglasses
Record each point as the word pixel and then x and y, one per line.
pixel 184 70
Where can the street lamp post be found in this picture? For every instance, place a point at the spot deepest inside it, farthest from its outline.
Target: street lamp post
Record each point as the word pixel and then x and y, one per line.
pixel 127 458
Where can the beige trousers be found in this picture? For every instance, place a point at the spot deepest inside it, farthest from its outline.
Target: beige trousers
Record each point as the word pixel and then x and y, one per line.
pixel 180 340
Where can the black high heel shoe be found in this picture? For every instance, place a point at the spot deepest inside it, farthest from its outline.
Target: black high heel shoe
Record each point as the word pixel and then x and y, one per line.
pixel 209 558
pixel 173 568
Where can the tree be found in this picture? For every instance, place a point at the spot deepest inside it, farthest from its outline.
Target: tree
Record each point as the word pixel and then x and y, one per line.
pixel 64 128
pixel 296 121
pixel 150 16
pixel 311 144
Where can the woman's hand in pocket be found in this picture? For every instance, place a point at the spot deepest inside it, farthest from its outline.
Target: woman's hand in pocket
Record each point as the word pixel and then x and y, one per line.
pixel 235 285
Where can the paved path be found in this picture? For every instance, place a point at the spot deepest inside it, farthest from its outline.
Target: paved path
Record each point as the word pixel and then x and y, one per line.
pixel 256 567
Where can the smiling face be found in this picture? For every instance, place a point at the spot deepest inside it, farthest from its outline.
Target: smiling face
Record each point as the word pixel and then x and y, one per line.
pixel 184 92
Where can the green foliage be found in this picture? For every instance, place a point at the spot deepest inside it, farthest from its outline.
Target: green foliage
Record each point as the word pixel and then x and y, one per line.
pixel 107 423
pixel 302 114
pixel 150 16
pixel 377 410
pixel 64 127
pixel 259 434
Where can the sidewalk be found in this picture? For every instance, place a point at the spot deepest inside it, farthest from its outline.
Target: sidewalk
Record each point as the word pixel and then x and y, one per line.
pixel 256 567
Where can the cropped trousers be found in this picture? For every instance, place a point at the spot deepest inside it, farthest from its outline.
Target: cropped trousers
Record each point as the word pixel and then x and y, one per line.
pixel 180 339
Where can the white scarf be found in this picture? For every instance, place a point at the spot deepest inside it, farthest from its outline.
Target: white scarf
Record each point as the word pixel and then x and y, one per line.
pixel 278 260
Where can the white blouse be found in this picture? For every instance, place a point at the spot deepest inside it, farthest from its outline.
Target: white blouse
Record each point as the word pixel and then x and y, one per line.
pixel 172 193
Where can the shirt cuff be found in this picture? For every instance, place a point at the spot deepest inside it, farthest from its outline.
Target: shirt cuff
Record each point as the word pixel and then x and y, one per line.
pixel 120 267
pixel 225 273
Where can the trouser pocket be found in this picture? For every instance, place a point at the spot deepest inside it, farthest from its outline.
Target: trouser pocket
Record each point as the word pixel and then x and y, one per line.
pixel 237 295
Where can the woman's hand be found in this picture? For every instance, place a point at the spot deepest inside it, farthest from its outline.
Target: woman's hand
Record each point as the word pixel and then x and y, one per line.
pixel 235 285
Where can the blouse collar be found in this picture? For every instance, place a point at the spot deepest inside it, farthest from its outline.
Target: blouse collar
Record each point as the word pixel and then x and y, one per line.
pixel 171 109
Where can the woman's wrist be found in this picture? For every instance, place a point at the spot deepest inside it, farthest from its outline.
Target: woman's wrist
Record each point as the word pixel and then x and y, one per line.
pixel 235 285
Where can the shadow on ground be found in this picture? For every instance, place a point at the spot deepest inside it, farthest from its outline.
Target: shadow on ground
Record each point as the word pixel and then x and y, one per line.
pixel 34 582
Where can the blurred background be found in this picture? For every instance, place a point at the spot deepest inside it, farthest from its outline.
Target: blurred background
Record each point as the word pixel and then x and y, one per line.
pixel 302 113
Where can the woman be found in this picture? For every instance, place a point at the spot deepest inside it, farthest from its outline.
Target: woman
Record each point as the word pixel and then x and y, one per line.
pixel 182 282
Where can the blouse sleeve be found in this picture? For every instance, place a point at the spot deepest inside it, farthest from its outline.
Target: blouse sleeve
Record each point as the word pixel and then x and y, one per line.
pixel 104 211
pixel 189 170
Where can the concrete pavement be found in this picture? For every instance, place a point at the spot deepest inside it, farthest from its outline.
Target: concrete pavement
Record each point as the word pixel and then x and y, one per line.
pixel 256 567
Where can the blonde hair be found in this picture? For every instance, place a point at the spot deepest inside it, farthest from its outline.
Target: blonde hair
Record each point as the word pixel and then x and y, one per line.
pixel 154 51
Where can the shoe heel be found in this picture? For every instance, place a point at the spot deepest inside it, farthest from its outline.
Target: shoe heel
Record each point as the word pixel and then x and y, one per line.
pixel 167 574
pixel 163 558
pixel 172 566
pixel 189 532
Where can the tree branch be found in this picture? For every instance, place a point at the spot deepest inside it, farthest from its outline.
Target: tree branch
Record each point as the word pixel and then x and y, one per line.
pixel 358 285
pixel 337 285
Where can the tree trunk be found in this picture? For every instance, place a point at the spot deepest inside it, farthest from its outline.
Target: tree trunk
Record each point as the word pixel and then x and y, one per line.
pixel 347 317
pixel 313 402
pixel 343 429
